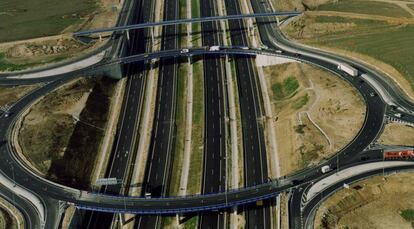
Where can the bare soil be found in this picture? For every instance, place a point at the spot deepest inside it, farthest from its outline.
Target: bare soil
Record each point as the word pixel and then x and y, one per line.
pixel 308 30
pixel 9 95
pixel 309 133
pixel 397 134
pixel 40 51
pixel 62 133
pixel 370 203
pixel 297 5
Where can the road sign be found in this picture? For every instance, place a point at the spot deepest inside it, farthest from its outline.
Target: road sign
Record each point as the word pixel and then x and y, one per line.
pixel 107 181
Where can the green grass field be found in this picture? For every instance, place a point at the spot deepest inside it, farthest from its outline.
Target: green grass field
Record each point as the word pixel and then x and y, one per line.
pixel 300 102
pixel 25 19
pixel 286 88
pixel 389 43
pixel 6 65
pixel 366 7
pixel 408 214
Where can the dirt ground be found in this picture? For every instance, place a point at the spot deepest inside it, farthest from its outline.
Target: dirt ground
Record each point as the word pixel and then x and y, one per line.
pixel 308 30
pixel 39 51
pixel 297 5
pixel 105 16
pixel 54 113
pixel 10 217
pixel 9 95
pixel 61 135
pixel 397 134
pixel 369 204
pixel 307 130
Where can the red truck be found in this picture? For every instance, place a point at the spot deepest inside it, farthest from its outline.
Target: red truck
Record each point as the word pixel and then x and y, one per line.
pixel 402 154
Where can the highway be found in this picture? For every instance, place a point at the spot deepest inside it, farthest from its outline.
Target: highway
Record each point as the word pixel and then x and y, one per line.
pixel 255 160
pixel 348 156
pixel 29 213
pixel 376 105
pixel 158 165
pixel 214 168
pixel 123 153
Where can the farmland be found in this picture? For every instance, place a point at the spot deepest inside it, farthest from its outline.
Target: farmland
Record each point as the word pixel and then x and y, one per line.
pixel 22 19
pixel 378 42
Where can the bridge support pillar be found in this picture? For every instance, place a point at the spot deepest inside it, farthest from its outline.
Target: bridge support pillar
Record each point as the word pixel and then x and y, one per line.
pixel 121 219
pixel 152 36
pixel 113 71
pixel 127 35
pixel 277 20
pixel 177 217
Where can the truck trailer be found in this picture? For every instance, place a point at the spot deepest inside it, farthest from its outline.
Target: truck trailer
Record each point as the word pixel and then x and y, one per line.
pixel 348 69
pixel 399 155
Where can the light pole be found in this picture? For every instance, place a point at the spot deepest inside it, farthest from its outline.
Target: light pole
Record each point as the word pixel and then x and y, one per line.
pixel 337 163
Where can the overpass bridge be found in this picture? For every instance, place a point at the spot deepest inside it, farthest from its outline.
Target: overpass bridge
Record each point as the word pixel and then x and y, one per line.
pixel 181 21
pixel 112 67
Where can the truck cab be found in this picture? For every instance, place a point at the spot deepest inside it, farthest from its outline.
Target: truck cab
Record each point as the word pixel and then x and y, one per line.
pixel 326 168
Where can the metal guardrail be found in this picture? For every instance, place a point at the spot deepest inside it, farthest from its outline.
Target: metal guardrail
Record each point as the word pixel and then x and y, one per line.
pixel 180 210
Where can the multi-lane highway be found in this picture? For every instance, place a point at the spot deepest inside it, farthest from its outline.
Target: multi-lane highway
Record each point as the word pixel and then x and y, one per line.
pixel 255 161
pixel 159 158
pixel 214 168
pixel 50 192
pixel 123 153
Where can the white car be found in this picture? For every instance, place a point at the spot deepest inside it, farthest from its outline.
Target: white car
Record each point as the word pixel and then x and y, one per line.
pixel 184 51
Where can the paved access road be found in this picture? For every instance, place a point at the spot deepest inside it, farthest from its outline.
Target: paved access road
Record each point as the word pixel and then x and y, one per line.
pixel 373 124
pixel 376 105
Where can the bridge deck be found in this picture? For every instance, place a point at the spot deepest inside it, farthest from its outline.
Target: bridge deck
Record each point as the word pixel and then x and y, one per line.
pixel 183 21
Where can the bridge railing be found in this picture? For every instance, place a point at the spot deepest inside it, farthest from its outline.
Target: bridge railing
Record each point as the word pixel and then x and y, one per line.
pixel 274 183
pixel 166 211
pixel 184 21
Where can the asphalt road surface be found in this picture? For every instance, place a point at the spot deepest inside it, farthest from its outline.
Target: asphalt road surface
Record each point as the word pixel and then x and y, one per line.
pixel 159 159
pixel 214 169
pixel 255 161
pixel 123 154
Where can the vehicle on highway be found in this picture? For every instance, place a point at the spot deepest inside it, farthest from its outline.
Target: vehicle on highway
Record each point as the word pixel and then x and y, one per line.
pixel 326 169
pixel 184 51
pixel 147 195
pixel 214 48
pixel 348 69
pixel 399 154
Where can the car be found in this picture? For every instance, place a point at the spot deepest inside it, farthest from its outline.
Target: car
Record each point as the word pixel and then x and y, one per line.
pixel 214 48
pixel 326 169
pixel 184 51
pixel 147 195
